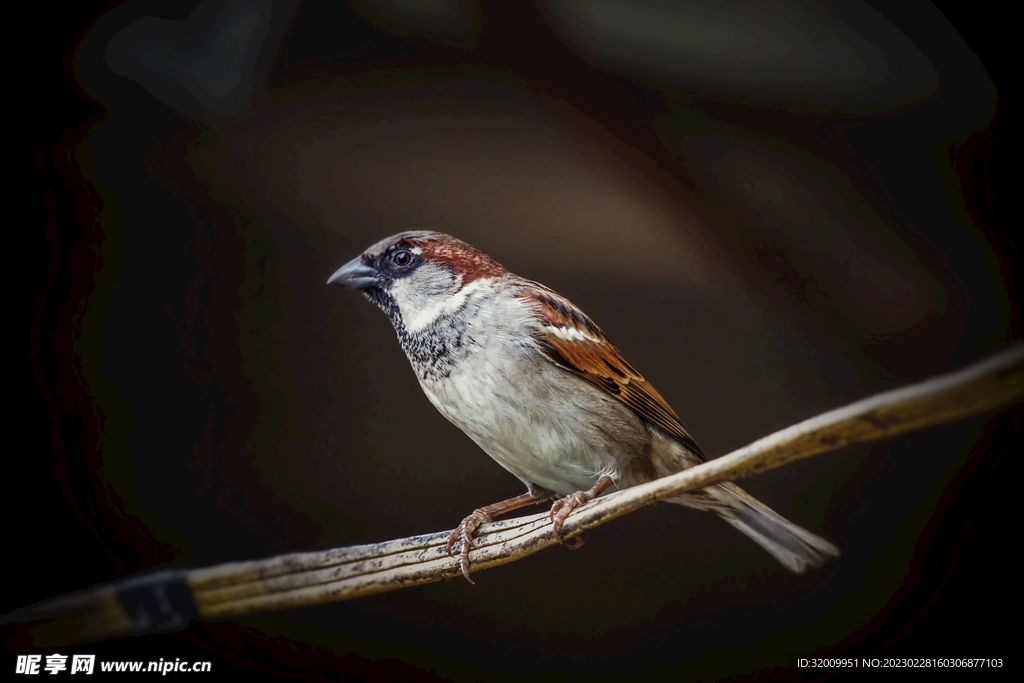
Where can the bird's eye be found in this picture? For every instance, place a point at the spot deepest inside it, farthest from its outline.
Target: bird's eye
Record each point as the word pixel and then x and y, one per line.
pixel 401 258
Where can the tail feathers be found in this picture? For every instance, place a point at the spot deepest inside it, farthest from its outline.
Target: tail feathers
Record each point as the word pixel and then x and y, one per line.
pixel 796 548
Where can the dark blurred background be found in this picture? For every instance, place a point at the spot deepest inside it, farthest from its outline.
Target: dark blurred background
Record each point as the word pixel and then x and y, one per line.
pixel 772 208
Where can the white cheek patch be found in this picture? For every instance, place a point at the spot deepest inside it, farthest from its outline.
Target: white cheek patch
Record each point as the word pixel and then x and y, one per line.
pixel 430 294
pixel 571 334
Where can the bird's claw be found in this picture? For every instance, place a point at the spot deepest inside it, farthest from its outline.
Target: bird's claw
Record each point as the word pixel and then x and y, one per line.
pixel 464 534
pixel 575 543
pixel 563 507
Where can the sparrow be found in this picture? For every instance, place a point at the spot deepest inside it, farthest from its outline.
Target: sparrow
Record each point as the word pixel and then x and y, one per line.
pixel 537 385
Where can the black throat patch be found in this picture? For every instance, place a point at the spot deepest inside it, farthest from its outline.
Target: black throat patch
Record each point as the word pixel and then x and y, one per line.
pixel 432 350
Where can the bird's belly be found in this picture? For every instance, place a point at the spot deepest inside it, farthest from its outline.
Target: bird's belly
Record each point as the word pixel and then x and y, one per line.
pixel 542 424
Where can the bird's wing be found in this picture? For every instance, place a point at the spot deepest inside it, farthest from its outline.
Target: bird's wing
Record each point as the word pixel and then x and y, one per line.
pixel 571 340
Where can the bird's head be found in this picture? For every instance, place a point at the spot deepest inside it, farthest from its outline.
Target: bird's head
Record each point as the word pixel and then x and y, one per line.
pixel 416 277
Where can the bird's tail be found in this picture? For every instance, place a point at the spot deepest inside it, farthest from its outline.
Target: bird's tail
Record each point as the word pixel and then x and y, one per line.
pixel 796 548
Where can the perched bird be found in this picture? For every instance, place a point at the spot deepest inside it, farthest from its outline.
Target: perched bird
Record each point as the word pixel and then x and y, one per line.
pixel 537 385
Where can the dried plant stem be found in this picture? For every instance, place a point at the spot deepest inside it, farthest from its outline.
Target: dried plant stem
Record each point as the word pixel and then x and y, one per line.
pixel 313 578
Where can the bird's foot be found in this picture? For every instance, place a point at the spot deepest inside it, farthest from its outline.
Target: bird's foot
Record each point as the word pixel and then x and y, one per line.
pixel 464 533
pixel 563 507
pixel 576 542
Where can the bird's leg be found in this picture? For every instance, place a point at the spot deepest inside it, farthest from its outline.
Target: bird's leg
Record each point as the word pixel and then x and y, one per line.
pixel 464 532
pixel 564 506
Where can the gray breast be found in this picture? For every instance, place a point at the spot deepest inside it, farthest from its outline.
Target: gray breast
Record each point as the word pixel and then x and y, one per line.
pixel 540 422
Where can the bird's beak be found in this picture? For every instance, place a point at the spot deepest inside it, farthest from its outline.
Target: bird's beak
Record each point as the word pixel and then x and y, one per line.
pixel 355 274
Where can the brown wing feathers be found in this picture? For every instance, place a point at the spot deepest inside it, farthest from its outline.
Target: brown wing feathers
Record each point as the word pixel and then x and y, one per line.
pixel 571 340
